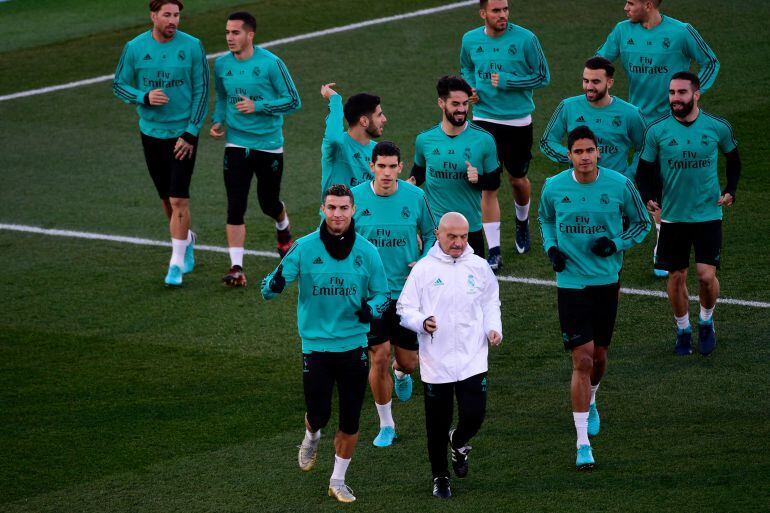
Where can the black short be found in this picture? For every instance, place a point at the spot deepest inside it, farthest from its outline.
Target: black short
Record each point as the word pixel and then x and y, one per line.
pixel 476 241
pixel 170 176
pixel 514 146
pixel 676 240
pixel 588 314
pixel 320 371
pixel 240 165
pixel 388 328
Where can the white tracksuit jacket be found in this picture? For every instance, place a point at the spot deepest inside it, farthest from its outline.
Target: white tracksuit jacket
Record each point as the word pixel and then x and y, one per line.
pixel 462 294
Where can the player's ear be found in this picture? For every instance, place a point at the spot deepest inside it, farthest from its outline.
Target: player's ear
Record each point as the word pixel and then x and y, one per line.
pixel 400 167
pixel 696 95
pixel 610 82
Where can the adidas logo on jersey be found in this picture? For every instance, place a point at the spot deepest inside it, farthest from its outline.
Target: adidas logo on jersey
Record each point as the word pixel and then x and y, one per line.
pixel 366 212
pixel 229 73
pixel 436 151
pixel 566 200
pixel 438 282
pixel 356 155
pixel 581 119
pixel 630 42
pixel 479 50
pixel 673 143
pixel 318 260
pixel 148 57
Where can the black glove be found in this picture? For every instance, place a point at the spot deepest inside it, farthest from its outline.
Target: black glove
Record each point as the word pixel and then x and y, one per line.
pixel 603 247
pixel 365 313
pixel 277 282
pixel 558 259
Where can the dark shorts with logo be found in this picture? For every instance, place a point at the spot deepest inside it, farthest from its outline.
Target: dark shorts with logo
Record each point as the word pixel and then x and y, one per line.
pixel 388 328
pixel 514 146
pixel 349 370
pixel 171 176
pixel 588 314
pixel 677 239
pixel 240 166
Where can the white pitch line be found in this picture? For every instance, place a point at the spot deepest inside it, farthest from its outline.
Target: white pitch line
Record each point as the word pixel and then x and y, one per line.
pixel 270 254
pixel 267 44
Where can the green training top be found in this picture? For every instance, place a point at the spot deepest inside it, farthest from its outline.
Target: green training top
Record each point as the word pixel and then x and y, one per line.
pixel 688 165
pixel 618 127
pixel 343 159
pixel 264 79
pixel 391 224
pixel 178 67
pixel 446 174
pixel 652 56
pixel 331 290
pixel 573 215
pixel 517 57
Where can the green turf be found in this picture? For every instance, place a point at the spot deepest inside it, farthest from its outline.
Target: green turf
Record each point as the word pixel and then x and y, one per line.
pixel 117 394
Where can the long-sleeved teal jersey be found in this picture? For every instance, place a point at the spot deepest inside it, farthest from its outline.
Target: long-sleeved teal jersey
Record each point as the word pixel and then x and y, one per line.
pixel 446 173
pixel 263 79
pixel 343 159
pixel 391 224
pixel 178 67
pixel 618 127
pixel 573 215
pixel 652 56
pixel 331 290
pixel 517 57
pixel 688 165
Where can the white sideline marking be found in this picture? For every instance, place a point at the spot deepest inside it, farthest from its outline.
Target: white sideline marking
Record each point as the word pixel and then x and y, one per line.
pixel 268 44
pixel 270 254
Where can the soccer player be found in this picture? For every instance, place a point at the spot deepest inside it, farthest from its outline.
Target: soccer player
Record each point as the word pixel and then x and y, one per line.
pixel 345 155
pixel 504 63
pixel 652 48
pixel 581 219
pixel 618 125
pixel 254 92
pixel 391 213
pixel 456 160
pixel 451 300
pixel 164 72
pixel 342 287
pixel 686 143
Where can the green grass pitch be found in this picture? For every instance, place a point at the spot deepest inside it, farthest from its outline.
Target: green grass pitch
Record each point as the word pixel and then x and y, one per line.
pixel 117 394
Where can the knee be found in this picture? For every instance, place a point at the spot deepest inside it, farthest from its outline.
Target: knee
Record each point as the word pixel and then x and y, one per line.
pixel 381 357
pixel 318 419
pixel 583 363
pixel 235 215
pixel 707 277
pixel 179 203
pixel 677 278
pixel 407 363
pixel 271 208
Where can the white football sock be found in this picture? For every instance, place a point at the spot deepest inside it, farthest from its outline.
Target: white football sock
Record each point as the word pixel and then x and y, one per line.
pixel 492 231
pixel 594 388
pixel 189 236
pixel 706 313
pixel 178 247
pixel 282 225
pixel 399 374
pixel 682 322
pixel 386 416
pixel 522 211
pixel 340 468
pixel 581 426
pixel 236 256
pixel 312 437
pixel 657 237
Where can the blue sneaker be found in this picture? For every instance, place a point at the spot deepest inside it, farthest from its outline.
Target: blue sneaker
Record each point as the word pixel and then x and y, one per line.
pixel 683 345
pixel 385 437
pixel 593 420
pixel 403 388
pixel 585 458
pixel 659 273
pixel 522 236
pixel 707 339
pixel 189 254
pixel 495 259
pixel 174 276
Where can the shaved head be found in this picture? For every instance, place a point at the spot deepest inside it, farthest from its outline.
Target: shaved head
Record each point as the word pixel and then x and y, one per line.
pixel 453 234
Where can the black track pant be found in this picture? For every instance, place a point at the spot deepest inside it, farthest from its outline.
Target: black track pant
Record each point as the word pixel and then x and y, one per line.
pixel 471 396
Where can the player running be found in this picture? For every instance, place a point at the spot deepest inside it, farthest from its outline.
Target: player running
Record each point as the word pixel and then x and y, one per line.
pixel 456 160
pixel 504 63
pixel 164 72
pixel 254 92
pixel 687 142
pixel 391 213
pixel 342 287
pixel 581 219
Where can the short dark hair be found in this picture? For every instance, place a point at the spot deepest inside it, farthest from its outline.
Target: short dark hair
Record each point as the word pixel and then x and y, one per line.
pixel 483 3
pixel 687 75
pixel 597 62
pixel 361 104
pixel 581 132
pixel 340 190
pixel 386 149
pixel 155 5
pixel 449 83
pixel 248 19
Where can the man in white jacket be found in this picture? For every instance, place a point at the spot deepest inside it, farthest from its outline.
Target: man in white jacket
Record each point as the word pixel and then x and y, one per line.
pixel 451 301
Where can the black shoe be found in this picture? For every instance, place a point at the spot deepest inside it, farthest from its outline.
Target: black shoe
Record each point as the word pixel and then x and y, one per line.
pixel 459 457
pixel 522 236
pixel 441 488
